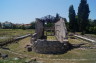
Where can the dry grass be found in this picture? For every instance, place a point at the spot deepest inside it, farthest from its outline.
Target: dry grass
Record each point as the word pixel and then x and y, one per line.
pixel 14 32
pixel 72 56
pixel 51 38
pixel 7 34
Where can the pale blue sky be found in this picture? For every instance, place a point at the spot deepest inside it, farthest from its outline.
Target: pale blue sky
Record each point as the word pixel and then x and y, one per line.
pixel 25 11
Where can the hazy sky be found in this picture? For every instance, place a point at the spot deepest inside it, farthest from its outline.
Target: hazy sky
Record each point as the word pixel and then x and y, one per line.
pixel 25 11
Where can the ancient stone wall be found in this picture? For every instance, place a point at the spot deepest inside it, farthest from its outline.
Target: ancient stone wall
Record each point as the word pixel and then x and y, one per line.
pixel 49 47
pixel 39 28
pixel 60 30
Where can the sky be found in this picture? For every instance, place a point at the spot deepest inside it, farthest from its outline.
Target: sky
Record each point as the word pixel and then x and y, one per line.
pixel 25 11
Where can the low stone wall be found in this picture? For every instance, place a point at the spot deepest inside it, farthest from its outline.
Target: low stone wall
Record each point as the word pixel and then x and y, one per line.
pixel 13 40
pixel 49 47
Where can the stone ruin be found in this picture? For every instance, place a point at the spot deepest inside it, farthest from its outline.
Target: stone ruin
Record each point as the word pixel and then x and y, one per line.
pixel 60 30
pixel 41 45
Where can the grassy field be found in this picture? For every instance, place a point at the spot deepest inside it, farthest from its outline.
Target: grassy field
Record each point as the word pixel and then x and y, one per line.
pixel 50 38
pixel 17 60
pixel 7 34
pixel 72 56
pixel 14 32
pixel 77 55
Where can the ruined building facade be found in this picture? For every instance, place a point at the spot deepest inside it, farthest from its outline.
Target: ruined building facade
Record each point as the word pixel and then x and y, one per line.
pixel 50 47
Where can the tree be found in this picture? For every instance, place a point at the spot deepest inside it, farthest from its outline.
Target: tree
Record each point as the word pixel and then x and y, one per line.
pixel 94 23
pixel 72 20
pixel 67 24
pixel 77 26
pixel 23 27
pixel 14 26
pixel 83 14
pixel 32 25
pixel 0 25
pixel 57 18
pixel 49 24
pixel 92 26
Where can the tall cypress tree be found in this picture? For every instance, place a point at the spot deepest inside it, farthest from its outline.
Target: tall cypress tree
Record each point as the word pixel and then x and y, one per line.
pixel 83 14
pixel 72 20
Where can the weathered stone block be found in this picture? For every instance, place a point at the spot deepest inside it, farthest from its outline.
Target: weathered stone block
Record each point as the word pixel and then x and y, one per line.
pixel 48 47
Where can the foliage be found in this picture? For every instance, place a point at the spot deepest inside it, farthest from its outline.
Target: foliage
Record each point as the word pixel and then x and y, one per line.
pixel 48 18
pixel 23 27
pixel 49 24
pixel 67 24
pixel 92 26
pixel 57 18
pixel 14 26
pixel 32 25
pixel 0 25
pixel 80 22
pixel 72 19
pixel 83 14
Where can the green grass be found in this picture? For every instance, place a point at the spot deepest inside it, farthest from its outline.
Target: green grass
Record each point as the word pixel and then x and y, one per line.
pixel 79 41
pixel 12 33
pixel 15 32
pixel 72 56
pixel 6 39
pixel 12 61
pixel 17 60
pixel 51 38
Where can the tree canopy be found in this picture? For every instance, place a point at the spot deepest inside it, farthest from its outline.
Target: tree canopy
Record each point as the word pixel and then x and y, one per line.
pixel 72 20
pixel 83 14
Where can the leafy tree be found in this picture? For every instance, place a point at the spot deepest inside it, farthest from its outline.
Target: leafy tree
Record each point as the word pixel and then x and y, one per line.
pixel 48 18
pixel 67 24
pixel 94 22
pixel 83 14
pixel 14 26
pixel 49 24
pixel 92 26
pixel 76 22
pixel 72 20
pixel 23 27
pixel 32 25
pixel 57 18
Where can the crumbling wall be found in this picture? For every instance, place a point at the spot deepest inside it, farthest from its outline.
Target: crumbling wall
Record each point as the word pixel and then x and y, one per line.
pixel 39 28
pixel 60 30
pixel 49 47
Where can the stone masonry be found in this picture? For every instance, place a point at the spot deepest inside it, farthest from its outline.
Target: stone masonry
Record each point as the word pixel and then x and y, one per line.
pixel 60 30
pixel 39 28
pixel 50 47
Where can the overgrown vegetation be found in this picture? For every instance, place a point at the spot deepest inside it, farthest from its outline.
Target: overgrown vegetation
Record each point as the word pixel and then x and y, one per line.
pixel 80 22
pixel 72 23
